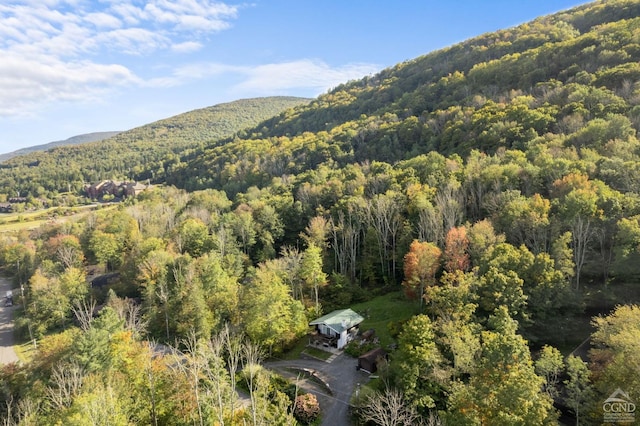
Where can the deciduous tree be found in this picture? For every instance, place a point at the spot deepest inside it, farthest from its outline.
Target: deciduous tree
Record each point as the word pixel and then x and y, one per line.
pixel 420 266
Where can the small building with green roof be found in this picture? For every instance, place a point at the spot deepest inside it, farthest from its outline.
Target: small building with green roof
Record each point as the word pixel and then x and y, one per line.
pixel 340 326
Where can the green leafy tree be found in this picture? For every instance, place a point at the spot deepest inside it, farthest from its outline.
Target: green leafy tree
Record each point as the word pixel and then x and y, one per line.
pixel 482 236
pixel 504 388
pixel 106 248
pixel 579 210
pixel 221 289
pixel 270 316
pixel 193 236
pixel 93 349
pixel 579 390
pixel 187 300
pixel 49 298
pixel 418 363
pixel 502 289
pixel 550 365
pixel 616 352
pixel 312 274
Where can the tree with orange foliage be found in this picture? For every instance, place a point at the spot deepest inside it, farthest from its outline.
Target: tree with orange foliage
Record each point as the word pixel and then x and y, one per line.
pixel 456 250
pixel 420 266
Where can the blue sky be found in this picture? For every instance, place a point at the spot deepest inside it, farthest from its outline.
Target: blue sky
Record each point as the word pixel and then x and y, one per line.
pixel 69 67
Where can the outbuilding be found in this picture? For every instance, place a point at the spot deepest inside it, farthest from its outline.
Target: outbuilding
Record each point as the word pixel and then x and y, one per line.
pixel 369 361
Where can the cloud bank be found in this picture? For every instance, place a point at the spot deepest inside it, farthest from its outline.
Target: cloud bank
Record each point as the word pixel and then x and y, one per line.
pixel 80 50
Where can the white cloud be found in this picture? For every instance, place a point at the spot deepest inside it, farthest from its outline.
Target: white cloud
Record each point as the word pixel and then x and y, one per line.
pixel 309 74
pixel 104 20
pixel 133 41
pixel 201 23
pixel 186 47
pixel 25 84
pixel 52 50
pixel 55 50
pixel 268 79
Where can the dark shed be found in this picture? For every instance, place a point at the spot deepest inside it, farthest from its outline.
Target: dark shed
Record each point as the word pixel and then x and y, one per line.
pixel 369 361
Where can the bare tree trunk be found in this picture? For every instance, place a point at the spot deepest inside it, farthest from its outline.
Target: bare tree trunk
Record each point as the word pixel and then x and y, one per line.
pixel 389 408
pixel 163 295
pixel 83 312
pixel 67 381
pixel 234 356
pixel 581 233
pixel 214 368
pixel 448 202
pixel 346 241
pixel 251 359
pixel 383 215
pixel 191 366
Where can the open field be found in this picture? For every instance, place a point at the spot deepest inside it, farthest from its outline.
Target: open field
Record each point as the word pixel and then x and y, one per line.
pixel 15 222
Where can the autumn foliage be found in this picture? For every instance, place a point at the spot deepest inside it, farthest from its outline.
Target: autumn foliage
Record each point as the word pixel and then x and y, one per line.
pixel 307 408
pixel 456 250
pixel 420 266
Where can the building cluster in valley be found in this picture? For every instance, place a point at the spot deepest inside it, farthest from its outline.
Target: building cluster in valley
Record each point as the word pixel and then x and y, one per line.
pixel 114 188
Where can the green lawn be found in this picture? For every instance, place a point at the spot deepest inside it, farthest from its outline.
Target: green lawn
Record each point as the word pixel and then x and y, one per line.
pixel 317 353
pixel 380 311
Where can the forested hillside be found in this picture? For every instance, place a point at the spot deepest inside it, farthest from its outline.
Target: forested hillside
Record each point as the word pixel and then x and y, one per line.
pixel 551 77
pixel 146 152
pixel 494 184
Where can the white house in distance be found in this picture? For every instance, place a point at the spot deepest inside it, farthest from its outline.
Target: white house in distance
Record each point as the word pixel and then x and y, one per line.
pixel 339 327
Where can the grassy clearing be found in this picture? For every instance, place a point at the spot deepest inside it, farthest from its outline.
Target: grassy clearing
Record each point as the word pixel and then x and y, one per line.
pixel 317 353
pixel 25 351
pixel 381 311
pixel 15 222
pixel 296 350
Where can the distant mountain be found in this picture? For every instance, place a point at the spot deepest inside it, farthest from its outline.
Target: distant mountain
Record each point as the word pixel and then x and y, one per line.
pixel 75 140
pixel 146 152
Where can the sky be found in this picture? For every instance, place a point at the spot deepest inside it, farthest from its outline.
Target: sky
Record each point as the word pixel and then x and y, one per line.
pixel 69 67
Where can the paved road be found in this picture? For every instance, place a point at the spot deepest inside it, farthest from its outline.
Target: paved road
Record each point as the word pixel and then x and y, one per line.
pixel 7 354
pixel 341 376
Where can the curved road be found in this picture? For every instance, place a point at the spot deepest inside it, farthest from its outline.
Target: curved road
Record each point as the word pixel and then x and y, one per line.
pixel 7 354
pixel 340 375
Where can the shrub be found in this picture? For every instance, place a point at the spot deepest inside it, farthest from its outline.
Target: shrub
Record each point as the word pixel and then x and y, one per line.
pixel 307 408
pixel 356 348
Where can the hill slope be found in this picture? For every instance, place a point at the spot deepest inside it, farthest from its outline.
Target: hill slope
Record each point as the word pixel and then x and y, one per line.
pixel 75 140
pixel 554 75
pixel 141 153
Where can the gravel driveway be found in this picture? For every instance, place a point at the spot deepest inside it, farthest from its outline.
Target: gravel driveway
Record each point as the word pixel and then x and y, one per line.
pixel 7 354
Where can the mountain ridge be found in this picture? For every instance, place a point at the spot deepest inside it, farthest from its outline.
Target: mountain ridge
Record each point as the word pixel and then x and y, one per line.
pixel 73 140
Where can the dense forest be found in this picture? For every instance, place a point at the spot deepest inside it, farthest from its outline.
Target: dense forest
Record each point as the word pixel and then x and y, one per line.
pixel 494 183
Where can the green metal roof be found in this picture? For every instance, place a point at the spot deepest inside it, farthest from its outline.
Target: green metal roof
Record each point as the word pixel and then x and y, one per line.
pixel 334 320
